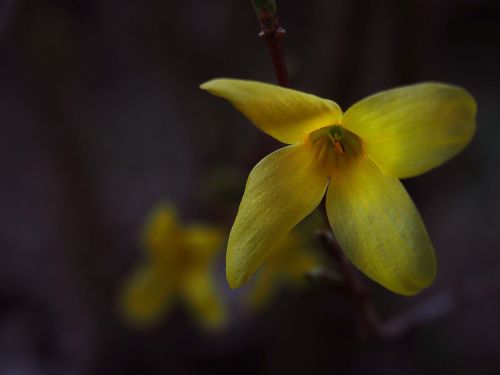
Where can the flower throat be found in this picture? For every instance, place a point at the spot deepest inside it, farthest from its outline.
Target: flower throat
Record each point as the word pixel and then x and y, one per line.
pixel 335 146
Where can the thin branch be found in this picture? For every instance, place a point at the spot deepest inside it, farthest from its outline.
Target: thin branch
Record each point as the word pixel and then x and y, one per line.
pixel 441 304
pixel 272 33
pixel 431 309
pixel 435 307
pixel 369 325
pixel 366 316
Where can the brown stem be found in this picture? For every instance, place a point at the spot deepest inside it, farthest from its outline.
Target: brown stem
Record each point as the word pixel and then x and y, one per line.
pixel 272 33
pixel 465 294
pixel 397 327
pixel 366 316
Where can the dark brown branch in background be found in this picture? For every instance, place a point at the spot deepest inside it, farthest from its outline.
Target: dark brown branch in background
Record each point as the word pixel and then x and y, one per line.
pixel 435 307
pixel 465 294
pixel 272 33
pixel 364 310
pixel 366 316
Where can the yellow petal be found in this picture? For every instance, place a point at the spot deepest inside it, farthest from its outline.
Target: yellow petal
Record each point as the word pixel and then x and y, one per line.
pixel 203 299
pixel 285 114
pixel 203 241
pixel 379 228
pixel 162 234
pixel 410 130
pixel 281 190
pixel 146 297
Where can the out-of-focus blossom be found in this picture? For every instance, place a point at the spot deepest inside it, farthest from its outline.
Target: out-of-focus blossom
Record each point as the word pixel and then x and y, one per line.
pixel 287 266
pixel 179 265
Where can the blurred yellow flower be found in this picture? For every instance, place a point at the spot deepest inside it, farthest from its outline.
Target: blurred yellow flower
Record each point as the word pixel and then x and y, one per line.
pixel 179 265
pixel 288 265
pixel 356 158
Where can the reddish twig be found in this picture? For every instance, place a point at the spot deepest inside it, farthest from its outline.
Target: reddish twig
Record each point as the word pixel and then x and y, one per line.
pixel 368 323
pixel 272 33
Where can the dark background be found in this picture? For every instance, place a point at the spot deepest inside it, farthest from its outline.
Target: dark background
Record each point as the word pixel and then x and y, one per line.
pixel 102 118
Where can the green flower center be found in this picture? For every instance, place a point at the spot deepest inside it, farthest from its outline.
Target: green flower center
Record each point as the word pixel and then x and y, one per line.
pixel 335 146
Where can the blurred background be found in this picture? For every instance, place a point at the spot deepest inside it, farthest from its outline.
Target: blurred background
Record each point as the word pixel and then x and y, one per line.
pixel 102 118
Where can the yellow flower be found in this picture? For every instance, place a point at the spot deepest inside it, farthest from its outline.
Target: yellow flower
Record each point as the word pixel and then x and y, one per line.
pixel 179 265
pixel 356 158
pixel 287 265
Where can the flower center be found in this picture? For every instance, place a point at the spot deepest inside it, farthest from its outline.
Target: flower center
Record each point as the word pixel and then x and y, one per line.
pixel 335 146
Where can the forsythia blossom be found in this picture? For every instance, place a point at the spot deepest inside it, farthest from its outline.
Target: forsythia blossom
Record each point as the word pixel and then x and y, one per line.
pixel 357 159
pixel 179 265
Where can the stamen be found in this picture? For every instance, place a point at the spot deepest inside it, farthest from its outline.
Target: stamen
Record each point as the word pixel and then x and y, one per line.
pixel 339 148
pixel 335 139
